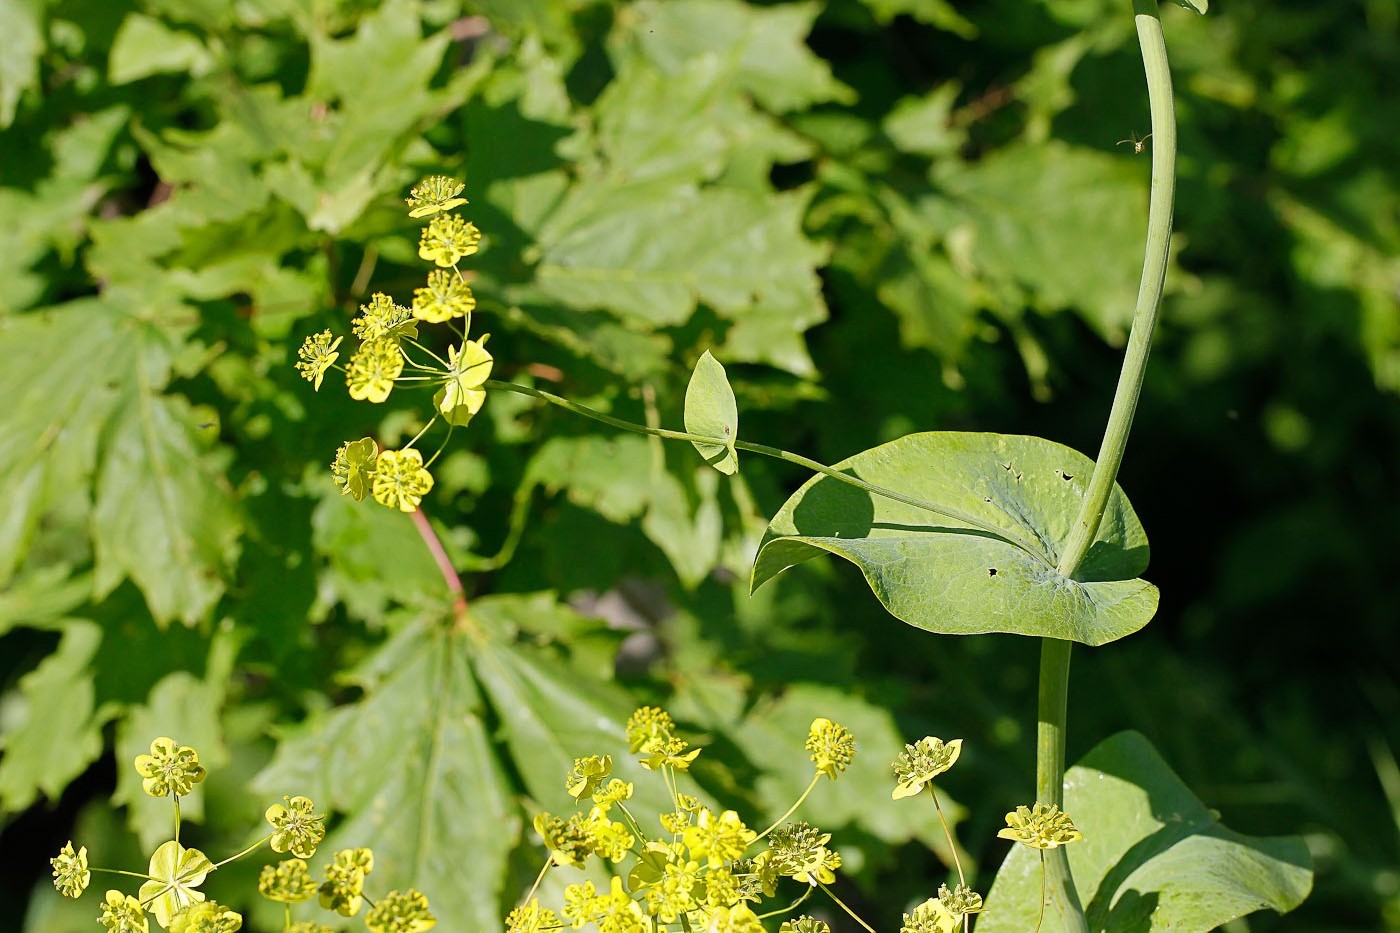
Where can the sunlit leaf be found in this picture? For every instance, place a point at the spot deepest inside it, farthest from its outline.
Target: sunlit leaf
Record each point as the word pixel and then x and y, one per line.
pixel 414 770
pixel 56 732
pixel 955 577
pixel 1153 857
pixel 710 409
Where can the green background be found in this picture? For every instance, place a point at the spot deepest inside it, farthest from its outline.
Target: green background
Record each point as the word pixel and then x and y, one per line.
pixel 882 217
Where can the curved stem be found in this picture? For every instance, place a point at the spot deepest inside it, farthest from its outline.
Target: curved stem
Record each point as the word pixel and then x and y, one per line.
pixel 1055 654
pixel 792 809
pixel 778 454
pixel 842 904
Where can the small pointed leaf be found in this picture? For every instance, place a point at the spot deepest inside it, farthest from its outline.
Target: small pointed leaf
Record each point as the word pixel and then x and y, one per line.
pixel 955 577
pixel 710 409
pixel 1153 857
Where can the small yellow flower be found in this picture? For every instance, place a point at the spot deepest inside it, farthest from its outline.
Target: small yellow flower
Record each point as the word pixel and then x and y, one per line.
pixel 206 917
pixel 170 768
pixel 287 882
pixel 343 889
pixel 804 924
pixel 434 194
pixel 930 917
pixel 614 791
pixel 461 396
pixel 798 851
pixel 353 467
pixel 737 919
pixel 400 480
pixel 445 297
pixel 70 870
pixel 122 913
pixel 447 239
pixel 1044 827
pixel 647 725
pixel 921 762
pixel 587 774
pixel 722 888
pixel 400 912
pixel 297 828
pixel 962 900
pixel 316 355
pixel 578 906
pixel 381 319
pixel 373 369
pixel 569 842
pixel 610 839
pixel 718 839
pixel 832 746
pixel 531 918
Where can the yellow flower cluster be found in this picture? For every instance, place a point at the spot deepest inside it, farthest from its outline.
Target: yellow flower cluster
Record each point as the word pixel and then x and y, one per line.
pixel 390 353
pixel 698 872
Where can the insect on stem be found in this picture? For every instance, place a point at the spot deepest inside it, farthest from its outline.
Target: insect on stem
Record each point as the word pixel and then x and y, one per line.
pixel 1137 144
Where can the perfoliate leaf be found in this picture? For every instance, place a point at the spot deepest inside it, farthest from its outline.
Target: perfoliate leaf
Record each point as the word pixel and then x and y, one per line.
pixel 957 577
pixel 710 409
pixel 1153 857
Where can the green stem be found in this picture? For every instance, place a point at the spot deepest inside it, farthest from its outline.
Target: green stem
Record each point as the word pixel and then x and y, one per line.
pixel 252 848
pixel 842 904
pixel 1055 654
pixel 778 454
pixel 792 809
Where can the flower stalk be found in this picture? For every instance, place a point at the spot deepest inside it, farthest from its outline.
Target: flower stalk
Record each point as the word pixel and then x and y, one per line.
pixel 1055 654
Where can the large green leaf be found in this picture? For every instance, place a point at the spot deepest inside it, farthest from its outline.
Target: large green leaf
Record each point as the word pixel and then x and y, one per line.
pixel 86 383
pixel 959 577
pixel 549 716
pixel 55 727
pixel 773 736
pixel 413 768
pixel 764 47
pixel 1153 857
pixel 22 22
pixel 1000 208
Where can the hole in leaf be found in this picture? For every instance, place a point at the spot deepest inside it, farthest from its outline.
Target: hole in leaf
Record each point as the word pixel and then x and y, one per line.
pixel 1064 476
pixel 991 571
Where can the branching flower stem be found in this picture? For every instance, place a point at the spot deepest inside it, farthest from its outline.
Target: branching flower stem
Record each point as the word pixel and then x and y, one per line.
pixel 778 454
pixel 1055 654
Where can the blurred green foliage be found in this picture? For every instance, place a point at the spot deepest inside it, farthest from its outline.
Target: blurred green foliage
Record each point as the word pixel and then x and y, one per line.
pixel 881 215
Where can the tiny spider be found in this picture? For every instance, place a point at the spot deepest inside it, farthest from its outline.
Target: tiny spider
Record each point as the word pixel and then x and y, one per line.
pixel 1138 144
